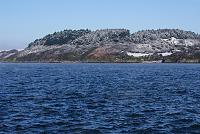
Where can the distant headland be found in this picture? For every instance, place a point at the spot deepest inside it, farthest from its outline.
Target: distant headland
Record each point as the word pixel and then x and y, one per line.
pixel 111 45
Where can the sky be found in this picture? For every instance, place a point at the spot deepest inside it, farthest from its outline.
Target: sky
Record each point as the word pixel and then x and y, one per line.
pixel 23 21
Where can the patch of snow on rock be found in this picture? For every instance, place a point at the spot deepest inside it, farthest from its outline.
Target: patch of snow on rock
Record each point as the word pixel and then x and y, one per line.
pixel 37 49
pixel 172 40
pixel 137 54
pixel 189 43
pixel 7 56
pixel 20 49
pixel 166 54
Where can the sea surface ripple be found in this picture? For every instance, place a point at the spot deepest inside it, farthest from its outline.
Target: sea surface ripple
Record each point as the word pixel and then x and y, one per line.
pixel 99 98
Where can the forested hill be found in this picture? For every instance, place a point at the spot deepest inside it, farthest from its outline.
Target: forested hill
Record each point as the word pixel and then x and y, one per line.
pixel 110 45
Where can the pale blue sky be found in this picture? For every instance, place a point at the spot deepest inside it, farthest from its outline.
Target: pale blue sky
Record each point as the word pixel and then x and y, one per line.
pixel 22 21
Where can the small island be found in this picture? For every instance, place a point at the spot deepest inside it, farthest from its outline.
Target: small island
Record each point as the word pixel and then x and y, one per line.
pixel 111 45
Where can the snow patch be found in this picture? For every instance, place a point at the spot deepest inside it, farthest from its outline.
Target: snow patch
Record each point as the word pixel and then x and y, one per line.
pixel 147 54
pixel 177 50
pixel 165 39
pixel 189 43
pixel 4 51
pixel 37 49
pixel 137 54
pixel 172 40
pixel 7 56
pixel 166 53
pixel 20 49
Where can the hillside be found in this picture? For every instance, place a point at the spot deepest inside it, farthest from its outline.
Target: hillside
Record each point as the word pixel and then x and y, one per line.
pixel 111 45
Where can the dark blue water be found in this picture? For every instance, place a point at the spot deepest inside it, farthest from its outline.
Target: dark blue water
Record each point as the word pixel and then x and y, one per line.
pixel 99 98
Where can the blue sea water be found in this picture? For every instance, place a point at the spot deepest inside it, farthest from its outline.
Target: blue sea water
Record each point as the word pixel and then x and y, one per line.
pixel 99 98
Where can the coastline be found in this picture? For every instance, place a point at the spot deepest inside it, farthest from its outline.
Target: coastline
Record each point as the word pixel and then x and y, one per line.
pixel 98 62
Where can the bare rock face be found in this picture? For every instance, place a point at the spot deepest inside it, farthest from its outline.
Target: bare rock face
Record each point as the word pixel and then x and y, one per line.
pixel 112 44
